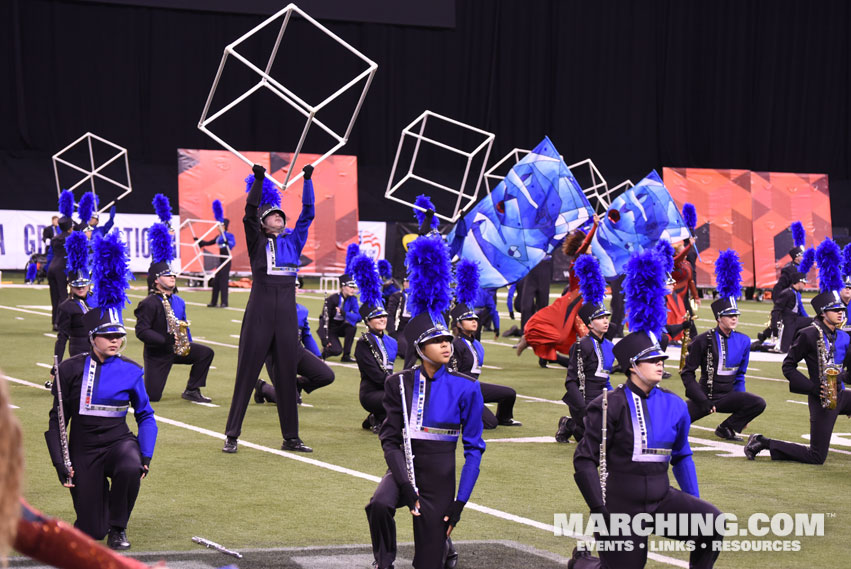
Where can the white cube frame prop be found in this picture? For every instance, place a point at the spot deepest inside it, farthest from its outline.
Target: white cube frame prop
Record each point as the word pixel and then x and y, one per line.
pixel 288 96
pixel 205 228
pixel 416 130
pixel 91 170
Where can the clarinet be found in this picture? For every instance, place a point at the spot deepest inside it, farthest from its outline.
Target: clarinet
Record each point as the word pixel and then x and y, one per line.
pixel 325 318
pixel 580 368
pixel 63 434
pixel 710 367
pixel 375 354
pixel 406 438
pixel 604 473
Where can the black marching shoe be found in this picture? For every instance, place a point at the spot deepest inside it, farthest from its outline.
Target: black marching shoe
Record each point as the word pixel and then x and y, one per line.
pixel 666 375
pixel 727 433
pixel 510 423
pixel 295 445
pixel 347 359
pixel 230 445
pixel 451 555
pixel 224 305
pixel 756 444
pixel 578 555
pixel 369 422
pixel 195 395
pixel 565 429
pixel 258 392
pixel 211 305
pixel 117 539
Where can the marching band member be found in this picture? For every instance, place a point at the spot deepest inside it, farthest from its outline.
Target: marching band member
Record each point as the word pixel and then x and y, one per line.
pixel 226 242
pixel 339 319
pixel 824 348
pixel 388 283
pixel 796 255
pixel 722 354
pixel 56 277
pixel 398 316
pixel 642 428
pixel 97 389
pixel 69 315
pixel 428 408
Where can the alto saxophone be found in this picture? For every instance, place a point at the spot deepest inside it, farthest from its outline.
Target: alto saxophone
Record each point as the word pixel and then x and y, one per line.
pixel 687 333
pixel 828 373
pixel 177 328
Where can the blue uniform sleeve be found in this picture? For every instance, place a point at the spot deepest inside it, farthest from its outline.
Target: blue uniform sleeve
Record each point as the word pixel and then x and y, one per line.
pixel 309 343
pixel 350 307
pixel 108 225
pixel 144 417
pixel 474 445
pixel 739 383
pixel 308 211
pixel 231 240
pixel 510 302
pixel 681 459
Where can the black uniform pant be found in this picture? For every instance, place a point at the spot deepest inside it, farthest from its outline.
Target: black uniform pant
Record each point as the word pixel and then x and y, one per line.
pixel 331 339
pixel 744 406
pixel 98 503
pixel 268 326
pixel 157 368
pixel 313 373
pixel 536 291
pixel 821 428
pixel 371 397
pixel 504 397
pixel 791 325
pixel 616 319
pixel 220 284
pixel 57 281
pixel 435 473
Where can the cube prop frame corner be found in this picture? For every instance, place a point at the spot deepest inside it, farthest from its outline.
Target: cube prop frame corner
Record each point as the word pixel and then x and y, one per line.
pixel 287 95
pixel 416 131
pixel 92 171
pixel 199 253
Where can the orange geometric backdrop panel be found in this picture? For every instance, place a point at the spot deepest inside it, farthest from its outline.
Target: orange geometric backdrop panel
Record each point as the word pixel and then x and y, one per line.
pixel 207 175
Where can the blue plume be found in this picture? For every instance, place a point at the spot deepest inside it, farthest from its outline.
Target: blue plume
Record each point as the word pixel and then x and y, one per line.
pixel 798 234
pixel 728 274
pixel 369 284
pixel 666 254
pixel 807 260
pixel 87 206
pixel 31 272
pixel 690 216
pixel 592 285
pixel 270 194
pixel 162 207
pixel 218 211
pixel 77 249
pixel 846 260
pixel 66 203
pixel 467 282
pixel 111 271
pixel 424 202
pixel 429 274
pixel 644 289
pixel 385 269
pixel 160 239
pixel 829 261
pixel 352 251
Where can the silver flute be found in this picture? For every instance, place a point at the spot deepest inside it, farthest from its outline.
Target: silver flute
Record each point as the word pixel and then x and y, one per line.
pixel 63 433
pixel 604 473
pixel 406 438
pixel 213 545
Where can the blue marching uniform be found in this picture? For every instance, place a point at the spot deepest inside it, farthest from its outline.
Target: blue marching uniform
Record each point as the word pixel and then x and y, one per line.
pixel 588 371
pixel 269 323
pixel 96 397
pixel 70 329
pixel 469 356
pixel 725 388
pixel 339 319
pixel 225 243
pixel 645 433
pixel 442 410
pixel 375 355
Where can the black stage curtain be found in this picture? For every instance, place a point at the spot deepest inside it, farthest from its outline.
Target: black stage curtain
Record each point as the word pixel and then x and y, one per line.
pixel 762 85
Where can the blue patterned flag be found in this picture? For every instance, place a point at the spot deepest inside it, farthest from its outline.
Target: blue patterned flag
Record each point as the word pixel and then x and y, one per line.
pixel 523 219
pixel 637 220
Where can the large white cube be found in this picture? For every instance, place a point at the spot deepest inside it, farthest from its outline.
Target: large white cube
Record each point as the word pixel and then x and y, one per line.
pixel 192 263
pixel 287 93
pixel 415 137
pixel 92 169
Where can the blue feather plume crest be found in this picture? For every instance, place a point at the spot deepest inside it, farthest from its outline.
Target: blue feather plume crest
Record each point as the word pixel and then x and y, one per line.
pixel 162 207
pixel 218 211
pixel 644 289
pixel 798 234
pixel 352 251
pixel 728 274
pixel 369 284
pixel 111 271
pixel 66 203
pixel 160 239
pixel 87 206
pixel 424 202
pixel 666 254
pixel 429 273
pixel 846 260
pixel 269 195
pixel 466 282
pixel 807 261
pixel 690 216
pixel 829 260
pixel 32 271
pixel 77 249
pixel 592 285
pixel 385 269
